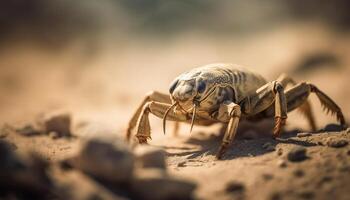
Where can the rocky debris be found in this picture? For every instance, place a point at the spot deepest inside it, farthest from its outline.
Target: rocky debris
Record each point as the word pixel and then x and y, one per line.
pixel 268 146
pixel 304 134
pixel 111 162
pixel 23 175
pixel 155 184
pixel 150 157
pixel 139 175
pixel 59 123
pixel 297 154
pixel 336 143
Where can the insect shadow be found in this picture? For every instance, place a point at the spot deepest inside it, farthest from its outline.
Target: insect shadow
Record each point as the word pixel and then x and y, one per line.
pixel 245 145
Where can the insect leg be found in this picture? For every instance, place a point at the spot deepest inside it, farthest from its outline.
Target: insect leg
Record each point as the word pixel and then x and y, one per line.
pixel 230 112
pixel 298 94
pixel 263 98
pixel 158 109
pixel 305 108
pixel 151 96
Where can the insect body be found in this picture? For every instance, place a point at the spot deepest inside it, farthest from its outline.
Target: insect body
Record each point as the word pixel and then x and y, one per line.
pixel 226 93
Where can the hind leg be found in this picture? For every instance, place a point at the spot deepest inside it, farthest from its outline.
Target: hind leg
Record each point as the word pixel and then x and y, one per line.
pixel 297 96
pixel 305 108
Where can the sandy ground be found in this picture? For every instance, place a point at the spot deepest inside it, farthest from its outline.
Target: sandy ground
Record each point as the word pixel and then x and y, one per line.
pixel 105 97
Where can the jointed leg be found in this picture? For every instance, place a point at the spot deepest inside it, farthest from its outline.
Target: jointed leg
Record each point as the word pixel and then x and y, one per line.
pixel 158 109
pixel 305 108
pixel 152 96
pixel 230 112
pixel 298 94
pixel 264 97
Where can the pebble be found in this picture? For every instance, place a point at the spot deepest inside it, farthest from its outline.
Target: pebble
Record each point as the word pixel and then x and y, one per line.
pixel 108 161
pixel 337 143
pixel 155 184
pixel 151 157
pixel 23 175
pixel 297 154
pixel 304 134
pixel 59 123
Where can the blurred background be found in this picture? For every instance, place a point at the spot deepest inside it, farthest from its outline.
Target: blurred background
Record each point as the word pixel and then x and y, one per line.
pixel 97 59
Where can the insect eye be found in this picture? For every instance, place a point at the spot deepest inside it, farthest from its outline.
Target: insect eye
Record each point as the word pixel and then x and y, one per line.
pixel 201 87
pixel 173 86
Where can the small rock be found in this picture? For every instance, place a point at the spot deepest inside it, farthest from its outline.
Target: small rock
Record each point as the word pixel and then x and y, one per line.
pixel 107 161
pixel 298 173
pixel 234 187
pixel 28 130
pixel 23 175
pixel 337 143
pixel 155 184
pixel 297 154
pixel 59 123
pixel 304 134
pixel 282 163
pixel 150 157
pixel 268 146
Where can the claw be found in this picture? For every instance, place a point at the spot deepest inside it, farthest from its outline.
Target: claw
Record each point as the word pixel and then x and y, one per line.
pixel 193 116
pixel 165 115
pixel 279 121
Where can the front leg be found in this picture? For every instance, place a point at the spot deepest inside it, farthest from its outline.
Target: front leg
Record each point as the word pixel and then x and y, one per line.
pixel 158 109
pixel 151 96
pixel 263 98
pixel 228 112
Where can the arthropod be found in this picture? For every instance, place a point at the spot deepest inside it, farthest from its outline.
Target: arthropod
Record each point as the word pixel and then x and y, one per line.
pixel 227 93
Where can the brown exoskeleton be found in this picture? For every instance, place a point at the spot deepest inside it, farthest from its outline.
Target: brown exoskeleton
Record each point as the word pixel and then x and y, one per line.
pixel 227 93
